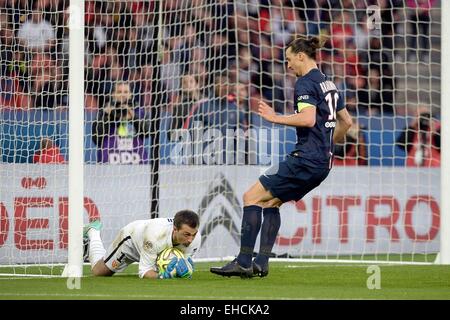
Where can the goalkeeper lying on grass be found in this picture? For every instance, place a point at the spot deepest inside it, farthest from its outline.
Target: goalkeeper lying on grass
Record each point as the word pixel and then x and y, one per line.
pixel 142 241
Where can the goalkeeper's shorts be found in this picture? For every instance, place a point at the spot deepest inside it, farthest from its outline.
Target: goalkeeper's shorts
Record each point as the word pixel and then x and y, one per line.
pixel 291 179
pixel 118 256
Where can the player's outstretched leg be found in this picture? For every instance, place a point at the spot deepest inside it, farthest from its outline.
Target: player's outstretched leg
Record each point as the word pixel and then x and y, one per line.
pixel 269 230
pixel 91 237
pixel 242 265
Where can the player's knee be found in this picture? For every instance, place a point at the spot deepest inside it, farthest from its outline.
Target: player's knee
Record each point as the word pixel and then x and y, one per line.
pixel 97 273
pixel 101 270
pixel 274 203
pixel 249 199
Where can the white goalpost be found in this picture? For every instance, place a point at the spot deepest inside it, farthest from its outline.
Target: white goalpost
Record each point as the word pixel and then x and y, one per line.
pixel 127 110
pixel 444 253
pixel 76 139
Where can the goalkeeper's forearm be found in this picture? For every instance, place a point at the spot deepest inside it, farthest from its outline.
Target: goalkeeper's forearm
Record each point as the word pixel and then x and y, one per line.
pixel 150 274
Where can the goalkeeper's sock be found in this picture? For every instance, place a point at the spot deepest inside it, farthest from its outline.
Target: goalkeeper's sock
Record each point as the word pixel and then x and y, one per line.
pixel 251 223
pixel 269 231
pixel 96 249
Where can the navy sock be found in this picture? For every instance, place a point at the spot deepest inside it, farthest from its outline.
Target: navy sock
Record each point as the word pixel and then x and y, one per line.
pixel 269 231
pixel 251 223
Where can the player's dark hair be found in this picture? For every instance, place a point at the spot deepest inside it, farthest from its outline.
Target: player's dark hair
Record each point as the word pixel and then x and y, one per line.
pixel 306 45
pixel 187 217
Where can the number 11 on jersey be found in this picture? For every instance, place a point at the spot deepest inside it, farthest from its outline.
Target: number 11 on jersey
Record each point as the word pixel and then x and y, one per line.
pixel 332 100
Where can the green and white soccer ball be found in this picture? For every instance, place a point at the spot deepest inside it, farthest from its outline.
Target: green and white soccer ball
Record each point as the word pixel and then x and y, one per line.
pixel 165 256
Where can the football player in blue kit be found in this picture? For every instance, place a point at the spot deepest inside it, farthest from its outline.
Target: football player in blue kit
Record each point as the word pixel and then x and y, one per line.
pixel 321 120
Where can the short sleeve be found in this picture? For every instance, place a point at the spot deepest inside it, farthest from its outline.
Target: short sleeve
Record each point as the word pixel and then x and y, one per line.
pixel 304 95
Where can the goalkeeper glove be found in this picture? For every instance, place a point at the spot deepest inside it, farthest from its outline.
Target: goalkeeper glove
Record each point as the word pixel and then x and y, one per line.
pixel 184 268
pixel 168 273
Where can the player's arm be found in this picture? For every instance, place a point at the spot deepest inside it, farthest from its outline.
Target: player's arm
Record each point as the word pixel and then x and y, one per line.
pixel 343 123
pixel 151 274
pixel 147 264
pixel 306 116
pixel 146 267
pixel 167 274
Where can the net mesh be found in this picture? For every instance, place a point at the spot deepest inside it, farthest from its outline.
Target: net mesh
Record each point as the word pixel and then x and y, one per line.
pixel 171 94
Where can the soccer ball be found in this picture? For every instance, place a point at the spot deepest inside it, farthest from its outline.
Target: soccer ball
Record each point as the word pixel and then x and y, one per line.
pixel 165 256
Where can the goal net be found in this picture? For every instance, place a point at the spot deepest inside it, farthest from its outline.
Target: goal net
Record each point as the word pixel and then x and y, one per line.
pixel 171 90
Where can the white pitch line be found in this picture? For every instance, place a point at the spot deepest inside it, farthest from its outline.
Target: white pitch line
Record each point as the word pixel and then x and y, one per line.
pixel 150 296
pixel 328 266
pixel 27 276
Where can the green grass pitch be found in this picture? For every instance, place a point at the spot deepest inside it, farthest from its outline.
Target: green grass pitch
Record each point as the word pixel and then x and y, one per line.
pixel 287 280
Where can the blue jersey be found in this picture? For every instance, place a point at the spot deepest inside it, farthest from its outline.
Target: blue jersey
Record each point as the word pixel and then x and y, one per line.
pixel 315 145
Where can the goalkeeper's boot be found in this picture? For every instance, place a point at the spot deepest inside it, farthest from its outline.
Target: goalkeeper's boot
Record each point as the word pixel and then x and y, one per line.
pixel 260 271
pixel 97 225
pixel 233 269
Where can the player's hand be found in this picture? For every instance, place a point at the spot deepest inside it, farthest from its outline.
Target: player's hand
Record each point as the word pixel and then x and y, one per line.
pixel 169 272
pixel 184 268
pixel 266 111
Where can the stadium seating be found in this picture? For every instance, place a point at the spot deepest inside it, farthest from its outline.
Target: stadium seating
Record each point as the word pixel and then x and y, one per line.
pixel 22 130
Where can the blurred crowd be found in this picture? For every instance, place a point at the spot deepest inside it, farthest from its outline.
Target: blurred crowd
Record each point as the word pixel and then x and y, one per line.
pixel 217 58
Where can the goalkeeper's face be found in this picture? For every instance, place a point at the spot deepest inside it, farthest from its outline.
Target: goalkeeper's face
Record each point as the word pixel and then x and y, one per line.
pixel 185 235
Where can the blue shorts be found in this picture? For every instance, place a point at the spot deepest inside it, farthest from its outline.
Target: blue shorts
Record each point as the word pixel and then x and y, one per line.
pixel 291 179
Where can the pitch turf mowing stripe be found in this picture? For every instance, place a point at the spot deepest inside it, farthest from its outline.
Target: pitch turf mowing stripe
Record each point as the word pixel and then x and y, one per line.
pixel 285 281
